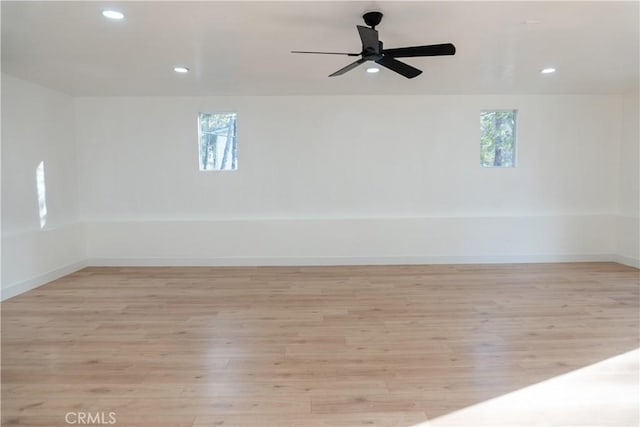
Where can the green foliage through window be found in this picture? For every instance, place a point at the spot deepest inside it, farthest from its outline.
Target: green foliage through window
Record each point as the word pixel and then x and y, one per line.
pixel 217 140
pixel 498 139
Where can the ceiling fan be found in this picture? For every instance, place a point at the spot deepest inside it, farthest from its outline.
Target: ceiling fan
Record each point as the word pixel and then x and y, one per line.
pixel 372 50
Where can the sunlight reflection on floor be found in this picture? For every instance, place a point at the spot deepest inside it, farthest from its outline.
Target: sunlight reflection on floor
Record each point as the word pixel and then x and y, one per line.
pixel 603 394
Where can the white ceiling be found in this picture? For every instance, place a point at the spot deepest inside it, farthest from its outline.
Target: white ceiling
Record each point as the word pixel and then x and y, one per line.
pixel 243 47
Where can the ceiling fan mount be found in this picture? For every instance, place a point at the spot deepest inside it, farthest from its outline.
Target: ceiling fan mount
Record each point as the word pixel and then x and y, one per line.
pixel 372 50
pixel 372 19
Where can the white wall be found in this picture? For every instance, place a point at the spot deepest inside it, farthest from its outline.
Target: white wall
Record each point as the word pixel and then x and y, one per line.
pixel 315 184
pixel 628 231
pixel 37 126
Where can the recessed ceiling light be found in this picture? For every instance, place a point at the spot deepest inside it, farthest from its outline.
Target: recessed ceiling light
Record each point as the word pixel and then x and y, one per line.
pixel 549 70
pixel 532 22
pixel 113 14
pixel 181 70
pixel 373 70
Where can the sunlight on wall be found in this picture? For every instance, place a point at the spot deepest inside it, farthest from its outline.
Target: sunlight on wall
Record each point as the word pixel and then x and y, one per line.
pixel 42 196
pixel 602 394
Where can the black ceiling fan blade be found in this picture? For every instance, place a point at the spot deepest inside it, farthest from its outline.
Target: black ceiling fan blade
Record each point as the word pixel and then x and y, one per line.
pixel 348 67
pixel 399 67
pixel 326 53
pixel 429 50
pixel 369 39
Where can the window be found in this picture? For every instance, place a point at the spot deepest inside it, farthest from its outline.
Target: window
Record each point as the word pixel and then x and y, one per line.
pixel 42 194
pixel 498 138
pixel 217 141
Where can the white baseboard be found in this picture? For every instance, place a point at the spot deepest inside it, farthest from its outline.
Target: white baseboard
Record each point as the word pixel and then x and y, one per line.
pixel 312 261
pixel 631 262
pixel 26 285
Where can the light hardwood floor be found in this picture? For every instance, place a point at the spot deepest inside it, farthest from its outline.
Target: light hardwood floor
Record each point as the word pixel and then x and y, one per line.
pixel 466 345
